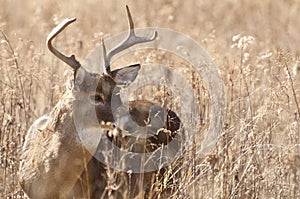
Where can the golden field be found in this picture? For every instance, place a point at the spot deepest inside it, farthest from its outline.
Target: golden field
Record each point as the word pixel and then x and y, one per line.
pixel 254 45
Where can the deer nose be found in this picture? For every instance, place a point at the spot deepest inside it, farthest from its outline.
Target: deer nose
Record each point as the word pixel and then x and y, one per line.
pixel 151 124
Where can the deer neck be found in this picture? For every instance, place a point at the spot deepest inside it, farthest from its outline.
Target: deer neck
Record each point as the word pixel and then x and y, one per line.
pixel 56 154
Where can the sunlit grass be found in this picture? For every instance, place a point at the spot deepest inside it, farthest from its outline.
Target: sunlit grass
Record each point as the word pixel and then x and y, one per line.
pixel 254 45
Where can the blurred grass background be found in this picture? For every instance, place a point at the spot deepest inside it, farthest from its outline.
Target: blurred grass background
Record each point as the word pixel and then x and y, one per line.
pixel 257 155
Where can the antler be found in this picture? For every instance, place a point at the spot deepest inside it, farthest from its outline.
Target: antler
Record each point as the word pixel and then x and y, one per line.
pixel 131 40
pixel 71 61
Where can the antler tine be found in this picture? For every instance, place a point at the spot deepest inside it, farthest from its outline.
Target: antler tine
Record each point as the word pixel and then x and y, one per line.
pixel 106 63
pixel 71 61
pixel 131 40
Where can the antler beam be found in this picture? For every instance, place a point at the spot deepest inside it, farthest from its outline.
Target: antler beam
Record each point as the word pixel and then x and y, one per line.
pixel 131 40
pixel 71 61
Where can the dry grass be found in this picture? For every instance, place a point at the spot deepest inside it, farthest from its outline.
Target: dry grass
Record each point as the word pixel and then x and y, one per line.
pixel 257 155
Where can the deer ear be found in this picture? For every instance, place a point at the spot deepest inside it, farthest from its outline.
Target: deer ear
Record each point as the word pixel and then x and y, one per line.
pixel 82 77
pixel 126 75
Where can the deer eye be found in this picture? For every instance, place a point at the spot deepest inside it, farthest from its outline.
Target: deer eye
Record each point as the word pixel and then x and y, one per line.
pixel 97 99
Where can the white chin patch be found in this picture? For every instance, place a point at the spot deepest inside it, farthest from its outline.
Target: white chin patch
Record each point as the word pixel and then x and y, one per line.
pixel 90 138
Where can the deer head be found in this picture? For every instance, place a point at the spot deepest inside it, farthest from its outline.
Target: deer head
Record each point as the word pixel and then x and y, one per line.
pixel 100 87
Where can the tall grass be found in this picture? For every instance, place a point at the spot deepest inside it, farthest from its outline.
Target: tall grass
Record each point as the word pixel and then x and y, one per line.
pixel 257 154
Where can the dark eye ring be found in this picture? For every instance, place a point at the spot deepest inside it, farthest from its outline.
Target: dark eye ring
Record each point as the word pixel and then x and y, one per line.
pixel 96 99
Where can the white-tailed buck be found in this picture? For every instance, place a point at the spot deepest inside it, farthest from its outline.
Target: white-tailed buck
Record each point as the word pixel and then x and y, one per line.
pixel 54 162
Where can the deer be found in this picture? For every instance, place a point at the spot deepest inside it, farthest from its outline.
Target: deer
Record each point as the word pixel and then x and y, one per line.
pixel 53 158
